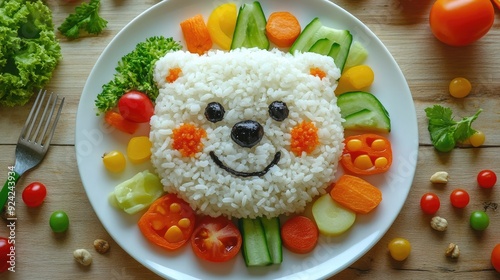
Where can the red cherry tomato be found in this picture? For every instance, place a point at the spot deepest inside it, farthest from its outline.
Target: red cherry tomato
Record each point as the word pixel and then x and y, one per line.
pixel 430 203
pixel 495 257
pixel 461 22
pixel 34 194
pixel 4 252
pixel 486 179
pixel 216 239
pixel 459 198
pixel 136 107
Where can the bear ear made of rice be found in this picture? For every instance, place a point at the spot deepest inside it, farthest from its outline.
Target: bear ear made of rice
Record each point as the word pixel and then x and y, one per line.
pixel 171 66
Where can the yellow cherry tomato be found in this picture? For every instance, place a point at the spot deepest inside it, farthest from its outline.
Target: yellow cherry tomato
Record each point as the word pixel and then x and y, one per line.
pixel 399 248
pixel 460 87
pixel 477 139
pixel 114 161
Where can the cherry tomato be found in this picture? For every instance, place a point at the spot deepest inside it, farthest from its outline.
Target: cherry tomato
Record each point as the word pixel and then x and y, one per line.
pixel 216 239
pixel 486 179
pixel 59 221
pixel 477 139
pixel 479 220
pixel 4 252
pixel 399 248
pixel 461 22
pixel 430 203
pixel 34 194
pixel 459 87
pixel 136 107
pixel 495 257
pixel 459 198
pixel 168 223
pixel 114 161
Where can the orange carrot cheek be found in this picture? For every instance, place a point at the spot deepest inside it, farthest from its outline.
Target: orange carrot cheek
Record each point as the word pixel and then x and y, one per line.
pixel 187 139
pixel 304 138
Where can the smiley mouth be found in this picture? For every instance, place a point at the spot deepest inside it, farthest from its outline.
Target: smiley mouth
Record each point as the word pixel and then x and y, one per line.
pixel 219 163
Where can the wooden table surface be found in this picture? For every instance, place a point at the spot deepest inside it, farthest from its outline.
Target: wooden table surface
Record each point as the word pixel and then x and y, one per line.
pixel 428 65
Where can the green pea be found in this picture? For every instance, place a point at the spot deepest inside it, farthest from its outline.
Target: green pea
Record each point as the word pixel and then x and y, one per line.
pixel 59 221
pixel 479 220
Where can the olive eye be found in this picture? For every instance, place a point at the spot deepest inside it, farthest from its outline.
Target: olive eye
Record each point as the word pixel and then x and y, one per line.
pixel 214 112
pixel 278 111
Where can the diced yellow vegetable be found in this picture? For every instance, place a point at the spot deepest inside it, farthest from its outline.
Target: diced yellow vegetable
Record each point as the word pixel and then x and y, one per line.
pixel 221 24
pixel 381 162
pixel 354 145
pixel 354 79
pixel 139 149
pixel 379 145
pixel 174 234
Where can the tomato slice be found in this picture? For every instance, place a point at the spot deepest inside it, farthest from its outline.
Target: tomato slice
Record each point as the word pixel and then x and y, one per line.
pixel 168 223
pixel 366 154
pixel 216 239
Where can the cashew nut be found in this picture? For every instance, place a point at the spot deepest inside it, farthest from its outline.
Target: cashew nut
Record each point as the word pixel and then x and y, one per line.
pixel 440 177
pixel 82 256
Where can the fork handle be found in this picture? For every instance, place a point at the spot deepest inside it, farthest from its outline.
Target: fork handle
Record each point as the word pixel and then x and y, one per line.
pixel 8 189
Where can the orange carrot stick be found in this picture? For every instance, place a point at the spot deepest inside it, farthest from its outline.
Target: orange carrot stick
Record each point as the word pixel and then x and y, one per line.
pixel 282 29
pixel 299 234
pixel 356 194
pixel 196 34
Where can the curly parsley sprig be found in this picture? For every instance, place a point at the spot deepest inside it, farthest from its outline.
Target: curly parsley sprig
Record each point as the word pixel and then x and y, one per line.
pixel 86 17
pixel 445 131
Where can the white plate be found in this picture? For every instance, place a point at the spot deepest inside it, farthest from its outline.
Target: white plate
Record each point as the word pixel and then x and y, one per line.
pixel 332 255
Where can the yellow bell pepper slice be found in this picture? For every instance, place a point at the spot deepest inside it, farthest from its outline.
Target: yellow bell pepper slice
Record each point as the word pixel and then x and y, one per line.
pixel 221 24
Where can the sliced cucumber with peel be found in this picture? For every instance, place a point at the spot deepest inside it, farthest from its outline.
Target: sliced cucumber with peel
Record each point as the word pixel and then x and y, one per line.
pixel 316 33
pixel 250 29
pixel 363 111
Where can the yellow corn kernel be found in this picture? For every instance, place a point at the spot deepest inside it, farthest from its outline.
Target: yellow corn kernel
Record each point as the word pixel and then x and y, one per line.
pixel 175 208
pixel 378 145
pixel 184 223
pixel 174 234
pixel 157 224
pixel 381 162
pixel 363 162
pixel 354 145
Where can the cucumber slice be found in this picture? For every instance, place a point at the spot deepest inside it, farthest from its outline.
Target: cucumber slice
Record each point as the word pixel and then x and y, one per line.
pixel 362 110
pixel 316 31
pixel 357 55
pixel 255 251
pixel 250 30
pixel 273 237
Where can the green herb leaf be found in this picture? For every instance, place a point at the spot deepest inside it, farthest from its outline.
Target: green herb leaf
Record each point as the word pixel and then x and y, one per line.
pixel 445 131
pixel 86 17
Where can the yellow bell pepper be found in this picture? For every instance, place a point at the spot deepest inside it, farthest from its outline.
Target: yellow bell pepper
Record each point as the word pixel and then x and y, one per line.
pixel 355 78
pixel 221 24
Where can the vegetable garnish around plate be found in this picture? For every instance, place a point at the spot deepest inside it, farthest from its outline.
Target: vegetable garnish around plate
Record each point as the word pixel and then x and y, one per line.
pixel 266 121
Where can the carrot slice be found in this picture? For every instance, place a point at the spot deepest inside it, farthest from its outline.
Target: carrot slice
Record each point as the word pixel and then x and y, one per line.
pixel 119 122
pixel 356 194
pixel 282 29
pixel 196 34
pixel 299 235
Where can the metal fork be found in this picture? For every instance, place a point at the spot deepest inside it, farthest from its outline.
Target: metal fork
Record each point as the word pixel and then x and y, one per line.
pixel 34 140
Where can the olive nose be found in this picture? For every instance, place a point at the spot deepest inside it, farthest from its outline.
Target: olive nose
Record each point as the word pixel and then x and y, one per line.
pixel 247 133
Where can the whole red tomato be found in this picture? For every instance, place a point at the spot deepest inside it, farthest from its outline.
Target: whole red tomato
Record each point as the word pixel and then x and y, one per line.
pixel 461 22
pixel 4 252
pixel 495 257
pixel 136 106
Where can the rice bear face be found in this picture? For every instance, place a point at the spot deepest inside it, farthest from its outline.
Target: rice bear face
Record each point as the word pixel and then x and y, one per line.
pixel 246 133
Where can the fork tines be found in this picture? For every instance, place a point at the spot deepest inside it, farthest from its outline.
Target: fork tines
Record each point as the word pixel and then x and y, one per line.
pixel 41 122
